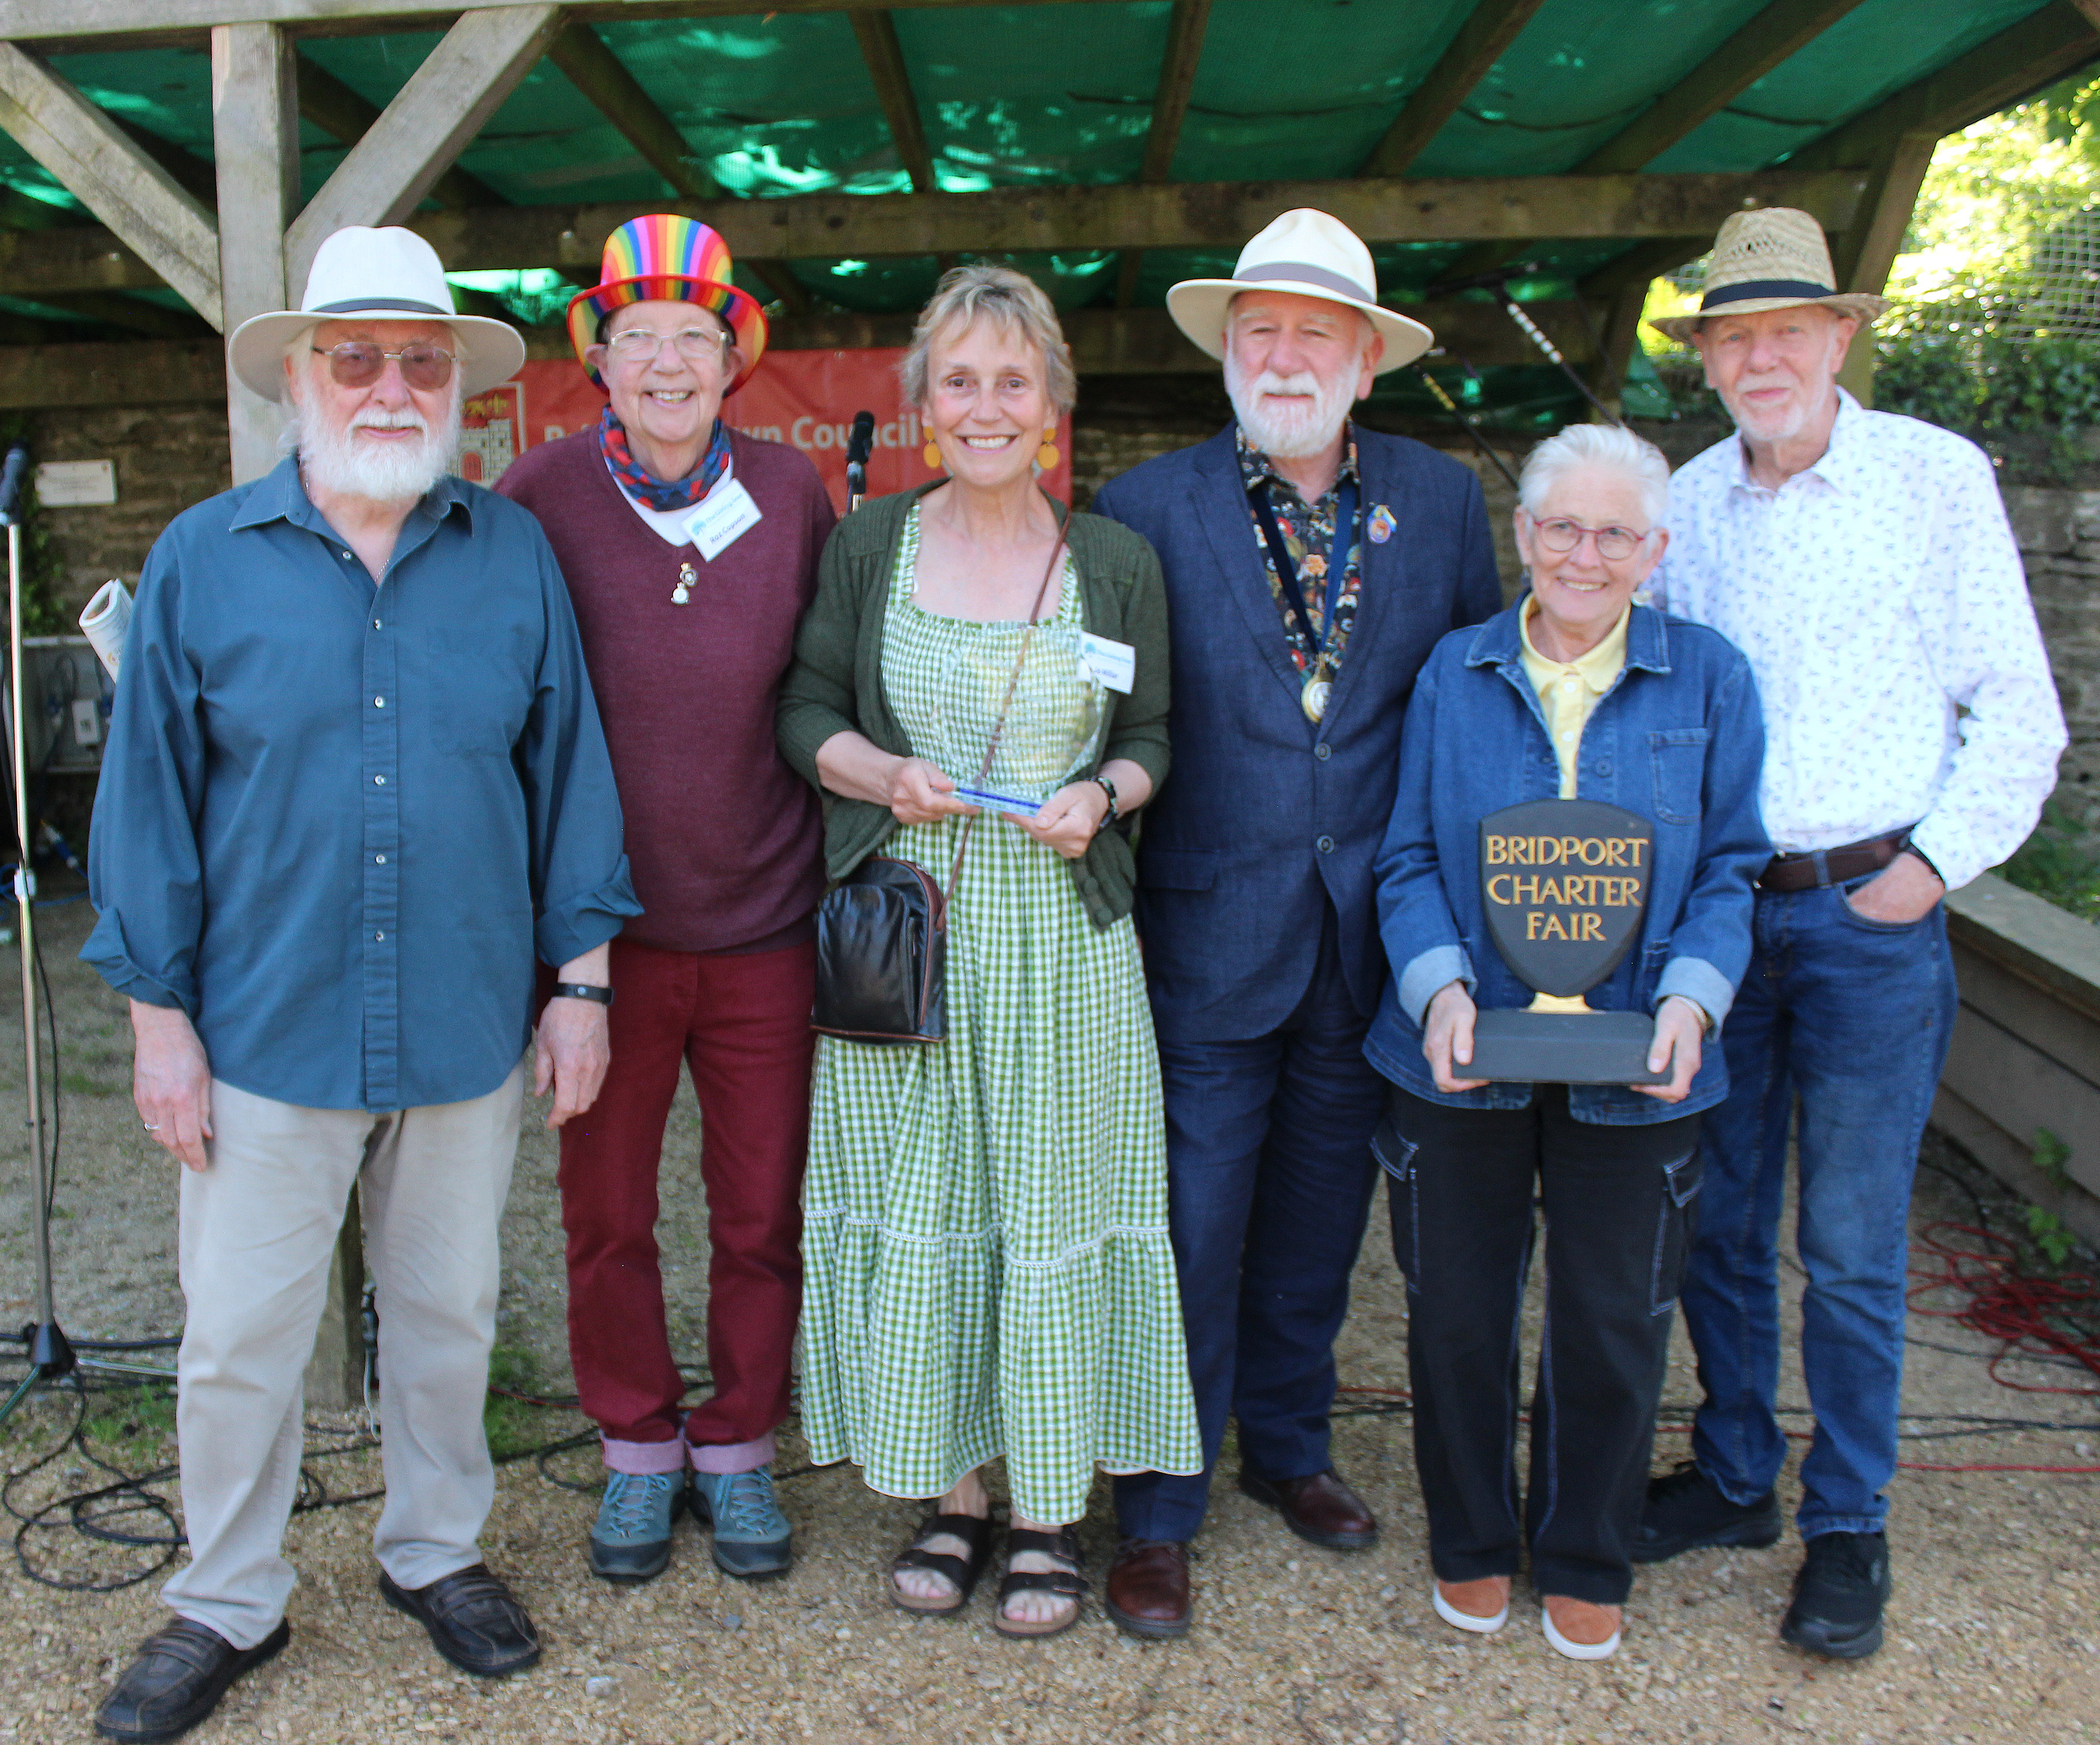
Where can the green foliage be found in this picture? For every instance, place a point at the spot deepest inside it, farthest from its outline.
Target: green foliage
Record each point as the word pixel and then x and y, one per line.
pixel 2051 1237
pixel 2059 864
pixel 2052 1158
pixel 512 1424
pixel 140 1417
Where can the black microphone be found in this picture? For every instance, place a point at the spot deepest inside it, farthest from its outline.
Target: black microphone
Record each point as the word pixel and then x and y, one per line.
pixel 10 484
pixel 858 443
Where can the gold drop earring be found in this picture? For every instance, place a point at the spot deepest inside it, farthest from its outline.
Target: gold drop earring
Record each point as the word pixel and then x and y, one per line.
pixel 931 452
pixel 1046 456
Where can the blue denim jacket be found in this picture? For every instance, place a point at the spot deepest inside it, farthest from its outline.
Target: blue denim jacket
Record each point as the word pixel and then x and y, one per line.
pixel 1677 738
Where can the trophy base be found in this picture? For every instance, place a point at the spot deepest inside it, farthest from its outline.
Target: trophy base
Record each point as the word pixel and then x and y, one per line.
pixel 1563 1048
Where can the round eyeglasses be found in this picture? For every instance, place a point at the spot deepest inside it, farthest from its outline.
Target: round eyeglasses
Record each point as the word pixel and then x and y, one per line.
pixel 1613 544
pixel 360 362
pixel 641 345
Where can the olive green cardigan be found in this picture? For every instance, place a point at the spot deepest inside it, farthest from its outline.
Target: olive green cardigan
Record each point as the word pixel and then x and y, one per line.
pixel 835 686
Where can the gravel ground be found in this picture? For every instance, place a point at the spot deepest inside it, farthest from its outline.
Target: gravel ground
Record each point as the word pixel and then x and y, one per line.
pixel 1993 1630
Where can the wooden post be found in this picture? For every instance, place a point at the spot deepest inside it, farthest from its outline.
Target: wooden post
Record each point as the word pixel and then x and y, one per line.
pixel 255 135
pixel 1867 250
pixel 1620 337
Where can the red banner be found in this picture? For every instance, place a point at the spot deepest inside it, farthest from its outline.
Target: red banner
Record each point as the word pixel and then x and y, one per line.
pixel 805 398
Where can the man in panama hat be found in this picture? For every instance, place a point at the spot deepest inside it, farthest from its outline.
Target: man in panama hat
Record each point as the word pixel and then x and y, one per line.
pixel 1863 563
pixel 1310 565
pixel 691 551
pixel 354 783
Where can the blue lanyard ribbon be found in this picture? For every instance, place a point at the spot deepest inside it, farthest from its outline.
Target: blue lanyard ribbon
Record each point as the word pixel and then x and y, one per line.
pixel 1338 559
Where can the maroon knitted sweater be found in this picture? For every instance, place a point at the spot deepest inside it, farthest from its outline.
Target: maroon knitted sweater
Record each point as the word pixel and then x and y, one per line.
pixel 726 841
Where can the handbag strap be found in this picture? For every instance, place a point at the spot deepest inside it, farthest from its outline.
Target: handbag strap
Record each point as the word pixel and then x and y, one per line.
pixel 1005 704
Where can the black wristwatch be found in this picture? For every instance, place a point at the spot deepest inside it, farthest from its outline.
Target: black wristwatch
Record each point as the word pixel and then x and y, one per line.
pixel 1107 787
pixel 582 990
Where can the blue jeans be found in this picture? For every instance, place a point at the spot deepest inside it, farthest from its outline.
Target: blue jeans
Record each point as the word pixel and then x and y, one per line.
pixel 1269 1175
pixel 1853 1017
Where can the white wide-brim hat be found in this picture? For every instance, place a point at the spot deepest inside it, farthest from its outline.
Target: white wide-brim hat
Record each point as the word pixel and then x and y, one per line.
pixel 1771 257
pixel 1308 254
pixel 362 274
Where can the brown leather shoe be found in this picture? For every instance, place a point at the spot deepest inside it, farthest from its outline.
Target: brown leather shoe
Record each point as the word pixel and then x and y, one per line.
pixel 1320 1509
pixel 1148 1588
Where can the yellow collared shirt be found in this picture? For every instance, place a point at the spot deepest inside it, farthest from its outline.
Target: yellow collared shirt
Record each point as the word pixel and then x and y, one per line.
pixel 1568 691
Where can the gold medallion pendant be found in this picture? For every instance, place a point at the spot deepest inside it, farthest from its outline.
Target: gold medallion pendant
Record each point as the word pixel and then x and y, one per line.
pixel 683 592
pixel 1318 689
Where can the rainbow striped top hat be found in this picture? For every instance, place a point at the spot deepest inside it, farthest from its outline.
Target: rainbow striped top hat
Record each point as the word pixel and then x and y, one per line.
pixel 663 257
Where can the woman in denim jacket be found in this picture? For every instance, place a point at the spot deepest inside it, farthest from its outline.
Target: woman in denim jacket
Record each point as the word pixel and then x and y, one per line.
pixel 1575 691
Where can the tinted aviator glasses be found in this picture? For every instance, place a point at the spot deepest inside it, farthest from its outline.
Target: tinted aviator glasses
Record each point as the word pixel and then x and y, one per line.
pixel 358 363
pixel 1613 544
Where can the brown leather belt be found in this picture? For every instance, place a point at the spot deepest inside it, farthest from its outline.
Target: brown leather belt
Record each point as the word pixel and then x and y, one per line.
pixel 1826 866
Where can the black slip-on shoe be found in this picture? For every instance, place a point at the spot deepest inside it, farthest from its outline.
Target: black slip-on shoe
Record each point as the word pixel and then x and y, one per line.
pixel 1686 1510
pixel 1839 1595
pixel 474 1620
pixel 176 1680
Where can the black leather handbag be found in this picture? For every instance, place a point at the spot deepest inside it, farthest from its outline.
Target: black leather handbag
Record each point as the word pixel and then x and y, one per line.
pixel 882 931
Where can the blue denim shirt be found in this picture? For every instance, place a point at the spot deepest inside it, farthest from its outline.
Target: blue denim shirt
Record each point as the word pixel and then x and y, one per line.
pixel 1677 738
pixel 335 820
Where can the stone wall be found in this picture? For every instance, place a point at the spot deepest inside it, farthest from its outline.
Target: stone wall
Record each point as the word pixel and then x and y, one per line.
pixel 2059 536
pixel 167 458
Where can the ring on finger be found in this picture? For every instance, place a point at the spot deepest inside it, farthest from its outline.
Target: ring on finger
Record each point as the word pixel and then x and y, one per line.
pixel 151 1127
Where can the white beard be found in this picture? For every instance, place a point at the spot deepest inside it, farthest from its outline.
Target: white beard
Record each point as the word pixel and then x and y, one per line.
pixel 1781 426
pixel 1290 430
pixel 333 459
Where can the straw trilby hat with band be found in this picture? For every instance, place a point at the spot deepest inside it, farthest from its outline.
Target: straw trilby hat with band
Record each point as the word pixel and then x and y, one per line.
pixel 1309 254
pixel 1774 258
pixel 662 258
pixel 361 274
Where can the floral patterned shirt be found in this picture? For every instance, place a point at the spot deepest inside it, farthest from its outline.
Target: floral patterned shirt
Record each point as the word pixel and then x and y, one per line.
pixel 1309 536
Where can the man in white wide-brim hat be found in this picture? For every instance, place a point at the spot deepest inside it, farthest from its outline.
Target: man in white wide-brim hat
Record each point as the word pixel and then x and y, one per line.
pixel 1310 565
pixel 354 780
pixel 1863 563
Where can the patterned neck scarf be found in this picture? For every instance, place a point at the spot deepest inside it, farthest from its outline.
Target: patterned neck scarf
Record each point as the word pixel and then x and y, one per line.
pixel 638 482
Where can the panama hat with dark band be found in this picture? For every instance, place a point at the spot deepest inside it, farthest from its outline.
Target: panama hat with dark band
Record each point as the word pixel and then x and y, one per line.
pixel 389 275
pixel 1774 258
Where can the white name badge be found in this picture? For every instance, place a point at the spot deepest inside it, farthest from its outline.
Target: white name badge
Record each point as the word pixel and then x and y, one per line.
pixel 722 517
pixel 1113 664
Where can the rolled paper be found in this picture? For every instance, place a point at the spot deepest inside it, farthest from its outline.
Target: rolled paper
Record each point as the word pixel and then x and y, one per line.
pixel 104 623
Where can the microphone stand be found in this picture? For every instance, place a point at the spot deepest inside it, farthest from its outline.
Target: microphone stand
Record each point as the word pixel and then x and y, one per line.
pixel 51 1353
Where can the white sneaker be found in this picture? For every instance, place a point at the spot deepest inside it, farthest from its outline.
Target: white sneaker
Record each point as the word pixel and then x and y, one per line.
pixel 1560 1645
pixel 1466 1620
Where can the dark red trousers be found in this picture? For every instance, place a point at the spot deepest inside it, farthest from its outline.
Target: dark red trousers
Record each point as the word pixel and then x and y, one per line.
pixel 741 1026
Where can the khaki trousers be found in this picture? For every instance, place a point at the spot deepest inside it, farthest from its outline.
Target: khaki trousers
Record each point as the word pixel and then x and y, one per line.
pixel 258 1227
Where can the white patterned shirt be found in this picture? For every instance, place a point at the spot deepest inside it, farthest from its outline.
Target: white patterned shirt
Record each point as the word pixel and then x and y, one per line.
pixel 1880 600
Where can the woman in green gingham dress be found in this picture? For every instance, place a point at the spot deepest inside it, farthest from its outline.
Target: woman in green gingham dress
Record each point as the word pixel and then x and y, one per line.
pixel 987 1268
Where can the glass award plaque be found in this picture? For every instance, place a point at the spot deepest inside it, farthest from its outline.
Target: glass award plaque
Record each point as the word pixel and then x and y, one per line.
pixel 1053 726
pixel 1564 883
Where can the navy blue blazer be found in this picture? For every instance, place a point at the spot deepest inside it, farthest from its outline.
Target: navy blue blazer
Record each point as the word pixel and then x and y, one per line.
pixel 1270 817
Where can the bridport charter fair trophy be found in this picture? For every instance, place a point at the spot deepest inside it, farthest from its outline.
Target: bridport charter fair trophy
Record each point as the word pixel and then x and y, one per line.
pixel 1564 883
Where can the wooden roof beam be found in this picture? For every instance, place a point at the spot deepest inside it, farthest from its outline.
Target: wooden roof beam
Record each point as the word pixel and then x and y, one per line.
pixel 337 110
pixel 584 60
pixel 99 165
pixel 876 31
pixel 1170 108
pixel 460 84
pixel 1468 59
pixel 1172 215
pixel 1781 30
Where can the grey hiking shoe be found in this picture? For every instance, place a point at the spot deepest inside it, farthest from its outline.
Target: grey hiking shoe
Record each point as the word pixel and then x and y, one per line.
pixel 752 1536
pixel 631 1538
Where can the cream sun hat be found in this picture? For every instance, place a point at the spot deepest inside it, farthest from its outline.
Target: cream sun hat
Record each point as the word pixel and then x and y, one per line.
pixel 1774 258
pixel 1309 254
pixel 389 275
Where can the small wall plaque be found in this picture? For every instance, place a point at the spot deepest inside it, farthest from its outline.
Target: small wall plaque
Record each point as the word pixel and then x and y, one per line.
pixel 71 484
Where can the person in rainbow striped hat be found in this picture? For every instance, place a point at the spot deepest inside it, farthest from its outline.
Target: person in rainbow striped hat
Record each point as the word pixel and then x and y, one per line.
pixel 691 551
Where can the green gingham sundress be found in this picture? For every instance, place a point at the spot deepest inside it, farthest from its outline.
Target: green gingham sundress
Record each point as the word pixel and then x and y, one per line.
pixel 986 1266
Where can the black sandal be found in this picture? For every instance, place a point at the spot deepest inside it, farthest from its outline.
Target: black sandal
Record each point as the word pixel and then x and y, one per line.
pixel 1064 1544
pixel 975 1531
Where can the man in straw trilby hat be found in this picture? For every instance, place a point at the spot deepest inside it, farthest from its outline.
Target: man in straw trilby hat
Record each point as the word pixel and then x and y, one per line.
pixel 691 551
pixel 355 781
pixel 1862 561
pixel 1311 565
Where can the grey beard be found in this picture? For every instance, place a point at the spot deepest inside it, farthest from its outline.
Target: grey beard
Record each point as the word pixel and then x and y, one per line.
pixel 1289 436
pixel 333 460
